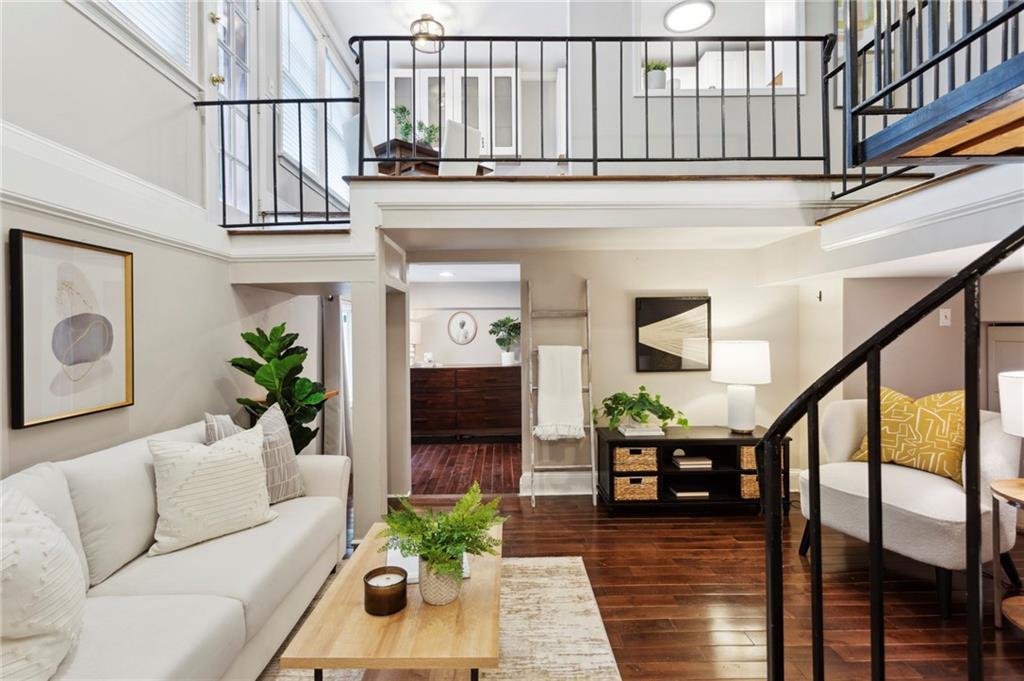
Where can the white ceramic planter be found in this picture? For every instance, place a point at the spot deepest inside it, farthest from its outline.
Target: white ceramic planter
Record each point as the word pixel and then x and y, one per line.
pixel 508 359
pixel 437 589
pixel 656 80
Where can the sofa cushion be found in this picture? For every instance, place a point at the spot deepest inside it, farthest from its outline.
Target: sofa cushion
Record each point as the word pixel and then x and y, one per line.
pixel 923 515
pixel 146 638
pixel 208 491
pixel 258 566
pixel 43 591
pixel 115 533
pixel 46 485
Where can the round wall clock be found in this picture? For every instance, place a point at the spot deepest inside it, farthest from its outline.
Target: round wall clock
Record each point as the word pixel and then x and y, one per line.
pixel 462 328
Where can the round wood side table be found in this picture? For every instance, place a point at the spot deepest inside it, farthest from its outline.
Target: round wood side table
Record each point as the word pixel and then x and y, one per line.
pixel 1010 492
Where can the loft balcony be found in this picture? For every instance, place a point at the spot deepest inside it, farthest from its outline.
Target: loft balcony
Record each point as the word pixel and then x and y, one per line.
pixel 496 108
pixel 934 83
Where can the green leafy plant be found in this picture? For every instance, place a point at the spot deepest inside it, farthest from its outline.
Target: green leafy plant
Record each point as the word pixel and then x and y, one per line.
pixel 506 332
pixel 428 134
pixel 639 407
pixel 277 371
pixel 655 65
pixel 440 538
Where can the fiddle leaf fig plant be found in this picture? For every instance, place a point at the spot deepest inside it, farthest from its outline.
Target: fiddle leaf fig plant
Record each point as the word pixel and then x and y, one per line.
pixel 506 332
pixel 441 538
pixel 277 371
pixel 639 407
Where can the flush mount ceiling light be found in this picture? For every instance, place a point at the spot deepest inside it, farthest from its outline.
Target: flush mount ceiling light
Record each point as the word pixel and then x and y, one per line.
pixel 427 34
pixel 689 15
pixel 446 274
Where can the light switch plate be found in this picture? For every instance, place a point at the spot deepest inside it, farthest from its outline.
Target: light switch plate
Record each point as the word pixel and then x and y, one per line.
pixel 945 316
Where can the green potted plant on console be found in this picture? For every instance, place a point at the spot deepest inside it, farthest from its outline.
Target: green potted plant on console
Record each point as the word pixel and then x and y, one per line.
pixel 630 413
pixel 655 71
pixel 441 539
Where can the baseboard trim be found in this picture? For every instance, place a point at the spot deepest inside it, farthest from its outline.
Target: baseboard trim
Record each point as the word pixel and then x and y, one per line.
pixel 556 483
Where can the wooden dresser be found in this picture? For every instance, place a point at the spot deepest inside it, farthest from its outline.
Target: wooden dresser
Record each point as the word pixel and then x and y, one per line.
pixel 466 401
pixel 637 472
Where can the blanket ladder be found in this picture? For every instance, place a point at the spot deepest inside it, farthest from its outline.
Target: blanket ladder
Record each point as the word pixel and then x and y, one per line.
pixel 533 366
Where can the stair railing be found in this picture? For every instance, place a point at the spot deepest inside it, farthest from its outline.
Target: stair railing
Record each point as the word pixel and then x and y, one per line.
pixel 806 405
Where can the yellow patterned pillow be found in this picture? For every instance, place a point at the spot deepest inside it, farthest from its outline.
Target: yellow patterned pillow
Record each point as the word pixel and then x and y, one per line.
pixel 927 434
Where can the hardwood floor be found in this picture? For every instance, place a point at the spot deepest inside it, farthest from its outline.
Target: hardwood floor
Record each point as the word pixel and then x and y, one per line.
pixel 683 597
pixel 448 469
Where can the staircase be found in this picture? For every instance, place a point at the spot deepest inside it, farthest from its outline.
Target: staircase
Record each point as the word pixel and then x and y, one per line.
pixel 806 405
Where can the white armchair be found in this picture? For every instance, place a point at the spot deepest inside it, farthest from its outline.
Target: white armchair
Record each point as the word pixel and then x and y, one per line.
pixel 923 514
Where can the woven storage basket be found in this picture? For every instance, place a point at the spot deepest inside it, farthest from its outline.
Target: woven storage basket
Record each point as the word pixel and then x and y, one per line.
pixel 749 488
pixel 635 459
pixel 748 458
pixel 643 488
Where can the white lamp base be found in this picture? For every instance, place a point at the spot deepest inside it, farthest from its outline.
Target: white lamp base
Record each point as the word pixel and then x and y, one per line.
pixel 742 407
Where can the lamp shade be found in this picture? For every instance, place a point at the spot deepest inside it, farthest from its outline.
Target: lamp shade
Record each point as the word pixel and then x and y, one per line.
pixel 1011 401
pixel 741 362
pixel 415 333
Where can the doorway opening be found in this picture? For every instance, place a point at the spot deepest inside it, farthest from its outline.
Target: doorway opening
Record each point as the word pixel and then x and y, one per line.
pixel 466 377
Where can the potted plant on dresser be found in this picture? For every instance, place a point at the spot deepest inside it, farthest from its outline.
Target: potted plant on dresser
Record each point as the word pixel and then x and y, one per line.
pixel 506 334
pixel 441 539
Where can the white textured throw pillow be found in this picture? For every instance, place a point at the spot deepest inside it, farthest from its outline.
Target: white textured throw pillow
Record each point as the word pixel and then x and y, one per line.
pixel 207 491
pixel 284 480
pixel 42 591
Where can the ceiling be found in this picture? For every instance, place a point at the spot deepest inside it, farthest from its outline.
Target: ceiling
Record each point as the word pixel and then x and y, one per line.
pixel 940 264
pixel 463 272
pixel 593 239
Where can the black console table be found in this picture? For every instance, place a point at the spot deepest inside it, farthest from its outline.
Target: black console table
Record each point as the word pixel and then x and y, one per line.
pixel 639 472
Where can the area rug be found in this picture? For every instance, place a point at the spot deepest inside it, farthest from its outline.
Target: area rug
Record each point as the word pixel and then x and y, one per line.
pixel 551 628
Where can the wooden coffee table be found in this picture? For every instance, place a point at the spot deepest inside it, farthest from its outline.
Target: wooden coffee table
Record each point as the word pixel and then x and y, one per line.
pixel 1012 493
pixel 461 635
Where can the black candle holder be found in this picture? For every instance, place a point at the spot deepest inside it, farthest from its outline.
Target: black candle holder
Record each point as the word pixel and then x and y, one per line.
pixel 387 599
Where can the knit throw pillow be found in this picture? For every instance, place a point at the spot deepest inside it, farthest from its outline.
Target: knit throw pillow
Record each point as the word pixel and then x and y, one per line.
pixel 284 480
pixel 927 433
pixel 42 591
pixel 207 491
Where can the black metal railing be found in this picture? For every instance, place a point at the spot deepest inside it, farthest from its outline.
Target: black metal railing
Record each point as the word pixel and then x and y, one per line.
pixel 696 123
pixel 914 53
pixel 806 405
pixel 312 202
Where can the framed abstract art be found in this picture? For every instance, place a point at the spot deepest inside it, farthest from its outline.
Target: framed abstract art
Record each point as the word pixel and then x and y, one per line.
pixel 72 329
pixel 673 334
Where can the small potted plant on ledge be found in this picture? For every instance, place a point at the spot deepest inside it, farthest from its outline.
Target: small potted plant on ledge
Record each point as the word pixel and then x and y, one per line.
pixel 630 413
pixel 655 71
pixel 441 540
pixel 506 335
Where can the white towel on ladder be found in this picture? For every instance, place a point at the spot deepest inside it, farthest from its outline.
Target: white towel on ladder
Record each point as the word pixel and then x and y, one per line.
pixel 559 393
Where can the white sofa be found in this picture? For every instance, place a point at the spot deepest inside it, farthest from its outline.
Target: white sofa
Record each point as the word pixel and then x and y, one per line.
pixel 217 610
pixel 923 514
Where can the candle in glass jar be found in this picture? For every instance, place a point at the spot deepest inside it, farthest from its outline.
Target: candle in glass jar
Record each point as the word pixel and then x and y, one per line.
pixel 384 590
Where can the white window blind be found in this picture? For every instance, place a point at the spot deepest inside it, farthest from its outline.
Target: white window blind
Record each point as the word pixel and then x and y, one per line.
pixel 165 23
pixel 298 81
pixel 337 114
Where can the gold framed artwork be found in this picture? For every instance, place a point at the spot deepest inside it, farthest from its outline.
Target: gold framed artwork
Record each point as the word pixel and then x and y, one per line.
pixel 72 329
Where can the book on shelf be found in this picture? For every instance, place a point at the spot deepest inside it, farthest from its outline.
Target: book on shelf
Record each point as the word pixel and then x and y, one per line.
pixel 690 494
pixel 688 462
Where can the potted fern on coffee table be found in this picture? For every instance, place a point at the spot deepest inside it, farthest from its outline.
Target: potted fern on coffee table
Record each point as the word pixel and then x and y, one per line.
pixel 441 539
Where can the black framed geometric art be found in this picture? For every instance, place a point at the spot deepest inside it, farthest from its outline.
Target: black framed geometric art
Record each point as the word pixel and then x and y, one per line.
pixel 673 334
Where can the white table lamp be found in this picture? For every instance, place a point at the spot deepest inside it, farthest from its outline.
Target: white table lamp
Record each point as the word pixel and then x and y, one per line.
pixel 1011 401
pixel 741 365
pixel 415 338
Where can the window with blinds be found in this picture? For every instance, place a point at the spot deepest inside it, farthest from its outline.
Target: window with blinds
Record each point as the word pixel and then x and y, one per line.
pixel 298 81
pixel 337 114
pixel 165 24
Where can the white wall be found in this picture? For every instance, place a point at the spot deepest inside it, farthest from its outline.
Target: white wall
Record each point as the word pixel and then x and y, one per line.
pixel 433 304
pixel 187 324
pixel 739 310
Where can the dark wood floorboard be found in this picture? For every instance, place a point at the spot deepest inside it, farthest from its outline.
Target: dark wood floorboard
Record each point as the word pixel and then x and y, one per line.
pixel 450 468
pixel 683 597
